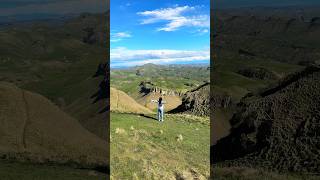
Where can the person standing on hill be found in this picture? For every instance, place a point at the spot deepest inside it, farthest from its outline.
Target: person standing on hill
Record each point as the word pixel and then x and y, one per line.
pixel 160 113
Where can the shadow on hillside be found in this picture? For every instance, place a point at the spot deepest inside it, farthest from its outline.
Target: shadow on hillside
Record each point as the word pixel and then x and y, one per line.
pixel 150 117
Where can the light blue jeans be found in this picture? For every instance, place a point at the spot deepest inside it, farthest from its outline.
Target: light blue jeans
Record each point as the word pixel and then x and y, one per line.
pixel 160 114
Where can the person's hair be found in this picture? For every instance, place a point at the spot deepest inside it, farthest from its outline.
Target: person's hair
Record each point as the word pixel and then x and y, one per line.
pixel 160 100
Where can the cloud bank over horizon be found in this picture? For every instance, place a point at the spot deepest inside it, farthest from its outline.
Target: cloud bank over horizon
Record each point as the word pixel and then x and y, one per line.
pixel 122 56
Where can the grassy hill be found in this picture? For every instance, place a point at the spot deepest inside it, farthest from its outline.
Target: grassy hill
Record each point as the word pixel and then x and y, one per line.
pixel 38 134
pixel 121 102
pixel 143 148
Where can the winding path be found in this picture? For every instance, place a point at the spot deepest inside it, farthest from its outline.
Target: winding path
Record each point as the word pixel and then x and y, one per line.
pixel 27 120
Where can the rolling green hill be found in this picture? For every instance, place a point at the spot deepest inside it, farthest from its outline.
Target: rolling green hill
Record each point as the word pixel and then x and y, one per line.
pixel 121 102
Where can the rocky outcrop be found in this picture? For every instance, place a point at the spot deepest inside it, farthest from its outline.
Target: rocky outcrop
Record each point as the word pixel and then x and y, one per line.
pixel 220 100
pixel 258 73
pixel 147 87
pixel 196 101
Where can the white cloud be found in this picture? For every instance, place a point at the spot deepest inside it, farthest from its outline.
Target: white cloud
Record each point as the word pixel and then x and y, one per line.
pixel 115 37
pixel 174 18
pixel 125 57
pixel 202 31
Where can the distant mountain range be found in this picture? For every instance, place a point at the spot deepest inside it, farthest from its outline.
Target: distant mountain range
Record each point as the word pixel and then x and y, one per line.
pixel 31 18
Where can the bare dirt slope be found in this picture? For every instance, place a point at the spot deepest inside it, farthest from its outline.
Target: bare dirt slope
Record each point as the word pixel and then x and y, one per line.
pixel 34 128
pixel 121 102
pixel 171 101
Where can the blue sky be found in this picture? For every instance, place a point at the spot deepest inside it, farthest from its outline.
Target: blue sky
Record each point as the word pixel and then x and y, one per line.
pixel 160 32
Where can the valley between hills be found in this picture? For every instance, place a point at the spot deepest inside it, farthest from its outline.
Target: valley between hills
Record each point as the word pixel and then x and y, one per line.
pixel 144 148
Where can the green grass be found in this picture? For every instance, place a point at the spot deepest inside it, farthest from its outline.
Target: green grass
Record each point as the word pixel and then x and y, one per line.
pixel 147 149
pixel 26 171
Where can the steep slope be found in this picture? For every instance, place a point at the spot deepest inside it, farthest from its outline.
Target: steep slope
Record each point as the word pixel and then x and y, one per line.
pixel 121 102
pixel 278 128
pixel 91 106
pixel 33 128
pixel 196 101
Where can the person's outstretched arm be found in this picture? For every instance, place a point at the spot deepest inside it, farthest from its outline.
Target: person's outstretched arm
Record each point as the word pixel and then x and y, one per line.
pixel 155 101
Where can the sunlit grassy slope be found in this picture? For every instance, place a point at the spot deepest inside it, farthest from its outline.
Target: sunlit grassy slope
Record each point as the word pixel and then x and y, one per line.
pixel 144 148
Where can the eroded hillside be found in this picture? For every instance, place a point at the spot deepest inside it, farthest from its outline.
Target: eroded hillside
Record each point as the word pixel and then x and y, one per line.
pixel 277 128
